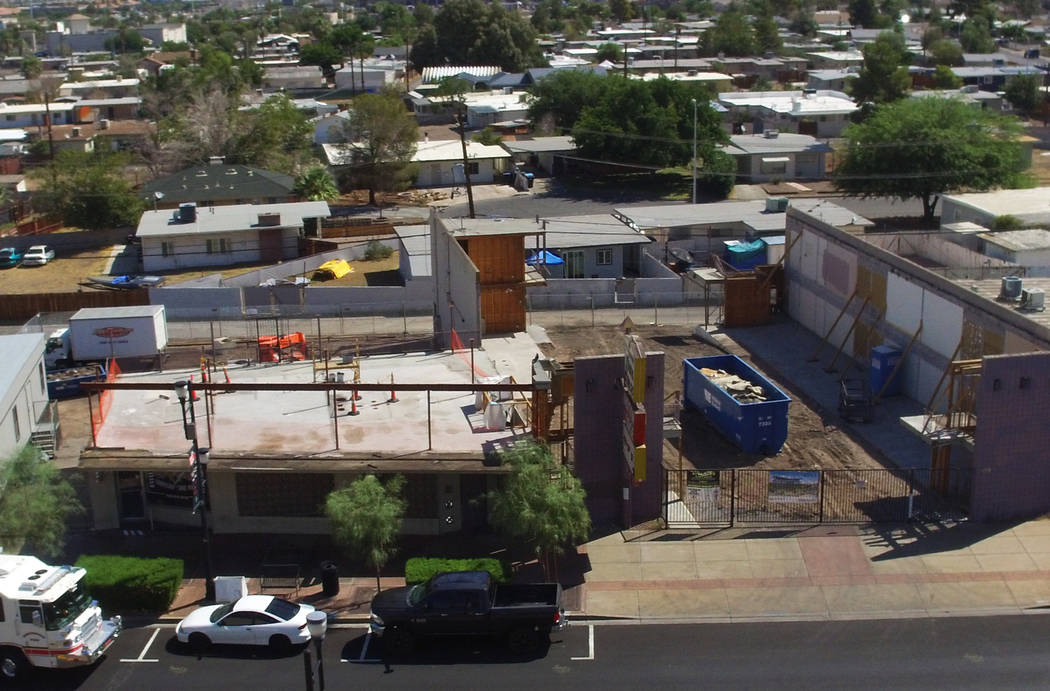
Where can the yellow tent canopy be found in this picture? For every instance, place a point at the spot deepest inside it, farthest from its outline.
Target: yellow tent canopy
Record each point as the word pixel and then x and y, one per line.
pixel 333 268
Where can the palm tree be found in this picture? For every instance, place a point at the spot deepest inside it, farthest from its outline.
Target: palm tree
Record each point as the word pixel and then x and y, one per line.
pixel 316 184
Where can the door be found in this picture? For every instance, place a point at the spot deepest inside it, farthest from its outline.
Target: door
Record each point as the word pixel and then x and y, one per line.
pixel 30 624
pixel 472 498
pixel 444 613
pixel 574 264
pixel 236 628
pixel 131 501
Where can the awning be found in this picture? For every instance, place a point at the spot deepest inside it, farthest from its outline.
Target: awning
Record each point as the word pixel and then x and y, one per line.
pixel 544 257
pixel 776 159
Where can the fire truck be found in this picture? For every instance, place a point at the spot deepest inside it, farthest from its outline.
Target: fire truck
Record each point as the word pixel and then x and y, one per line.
pixel 47 619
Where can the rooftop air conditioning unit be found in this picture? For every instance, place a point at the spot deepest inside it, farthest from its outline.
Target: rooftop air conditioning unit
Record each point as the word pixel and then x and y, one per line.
pixel 1010 288
pixel 1032 299
pixel 771 134
pixel 271 219
pixel 103 123
pixel 776 205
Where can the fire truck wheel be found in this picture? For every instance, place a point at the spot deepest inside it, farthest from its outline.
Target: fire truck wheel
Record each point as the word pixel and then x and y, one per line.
pixel 13 663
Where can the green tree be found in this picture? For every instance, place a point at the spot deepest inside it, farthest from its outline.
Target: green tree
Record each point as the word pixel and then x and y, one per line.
pixel 540 502
pixel 920 148
pixel 366 519
pixel 276 135
pixel 884 75
pixel 35 503
pixel 621 10
pixel 487 136
pixel 864 13
pixel 945 51
pixel 731 35
pixel 87 190
pixel 944 78
pixel 766 31
pixel 471 32
pixel 1023 91
pixel 32 66
pixel 322 54
pixel 609 51
pixel 976 37
pixel 380 139
pixel 316 184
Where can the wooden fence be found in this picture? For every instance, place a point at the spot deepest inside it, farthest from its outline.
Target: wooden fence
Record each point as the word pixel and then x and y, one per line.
pixel 20 307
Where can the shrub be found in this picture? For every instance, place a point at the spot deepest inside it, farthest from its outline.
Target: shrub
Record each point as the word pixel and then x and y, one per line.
pixel 132 584
pixel 420 569
pixel 1007 222
pixel 377 250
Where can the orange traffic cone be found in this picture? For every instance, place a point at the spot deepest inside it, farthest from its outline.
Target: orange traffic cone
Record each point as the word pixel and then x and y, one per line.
pixel 353 406
pixel 193 390
pixel 393 394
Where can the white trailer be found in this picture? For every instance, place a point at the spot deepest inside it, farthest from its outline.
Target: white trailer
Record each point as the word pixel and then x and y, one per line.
pixel 48 619
pixel 101 333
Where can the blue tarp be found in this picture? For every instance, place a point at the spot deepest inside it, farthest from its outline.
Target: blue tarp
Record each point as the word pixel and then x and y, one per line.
pixel 548 258
pixel 744 255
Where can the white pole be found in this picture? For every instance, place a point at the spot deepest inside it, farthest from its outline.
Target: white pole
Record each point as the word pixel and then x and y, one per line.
pixel 694 151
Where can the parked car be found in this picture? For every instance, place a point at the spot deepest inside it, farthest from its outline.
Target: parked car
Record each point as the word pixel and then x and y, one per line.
pixel 9 256
pixel 468 603
pixel 251 620
pixel 38 255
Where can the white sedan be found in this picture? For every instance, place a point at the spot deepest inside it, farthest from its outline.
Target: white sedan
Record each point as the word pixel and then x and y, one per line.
pixel 38 255
pixel 251 620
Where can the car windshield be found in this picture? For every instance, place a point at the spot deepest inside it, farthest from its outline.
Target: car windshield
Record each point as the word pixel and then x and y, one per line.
pixel 65 609
pixel 282 609
pixel 6 252
pixel 220 612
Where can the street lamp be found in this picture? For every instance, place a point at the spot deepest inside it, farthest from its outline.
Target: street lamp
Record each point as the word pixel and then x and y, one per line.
pixel 198 459
pixel 316 624
pixel 694 150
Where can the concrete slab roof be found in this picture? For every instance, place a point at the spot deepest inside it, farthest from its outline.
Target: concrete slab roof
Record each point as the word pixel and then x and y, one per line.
pixel 1029 205
pixel 989 288
pixel 226 219
pixel 481 227
pixel 299 423
pixel 597 230
pixel 782 143
pixel 752 214
pixel 1019 240
pixel 823 102
pixel 540 144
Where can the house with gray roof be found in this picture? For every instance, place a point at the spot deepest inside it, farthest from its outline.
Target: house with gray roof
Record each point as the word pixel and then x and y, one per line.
pixel 775 155
pixel 216 183
pixel 191 237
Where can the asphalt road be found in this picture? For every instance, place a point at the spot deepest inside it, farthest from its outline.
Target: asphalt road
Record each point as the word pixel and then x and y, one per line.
pixel 956 653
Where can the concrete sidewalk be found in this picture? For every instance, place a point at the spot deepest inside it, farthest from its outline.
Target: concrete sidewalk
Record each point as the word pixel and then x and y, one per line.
pixel 828 572
pixel 821 573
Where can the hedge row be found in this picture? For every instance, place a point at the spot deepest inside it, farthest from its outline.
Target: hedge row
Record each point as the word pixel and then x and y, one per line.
pixel 132 584
pixel 420 569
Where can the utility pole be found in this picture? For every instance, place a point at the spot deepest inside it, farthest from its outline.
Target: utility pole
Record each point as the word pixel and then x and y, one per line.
pixel 694 151
pixel 466 162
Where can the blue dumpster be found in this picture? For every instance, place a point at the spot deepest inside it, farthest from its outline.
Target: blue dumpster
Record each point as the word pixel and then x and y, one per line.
pixel 759 427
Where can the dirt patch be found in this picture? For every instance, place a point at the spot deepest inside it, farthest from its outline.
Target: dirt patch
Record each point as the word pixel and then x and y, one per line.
pixel 815 441
pixel 63 274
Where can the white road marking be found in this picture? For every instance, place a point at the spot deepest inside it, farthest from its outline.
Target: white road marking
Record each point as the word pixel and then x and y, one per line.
pixel 590 645
pixel 142 655
pixel 364 651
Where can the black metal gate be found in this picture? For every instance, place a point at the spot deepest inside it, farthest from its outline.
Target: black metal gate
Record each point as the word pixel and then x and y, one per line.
pixel 746 496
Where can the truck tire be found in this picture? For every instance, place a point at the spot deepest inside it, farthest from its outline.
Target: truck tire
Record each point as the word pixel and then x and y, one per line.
pixel 523 640
pixel 398 642
pixel 13 663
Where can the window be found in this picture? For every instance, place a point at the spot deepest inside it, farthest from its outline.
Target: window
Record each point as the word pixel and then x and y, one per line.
pixel 218 246
pixel 167 249
pixel 239 619
pixel 10 118
pixel 473 167
pixel 14 419
pixel 282 494
pixel 43 387
pixel 604 257
pixel 26 610
pixel 420 495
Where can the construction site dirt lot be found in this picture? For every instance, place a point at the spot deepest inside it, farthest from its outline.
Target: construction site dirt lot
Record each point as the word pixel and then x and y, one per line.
pixel 815 440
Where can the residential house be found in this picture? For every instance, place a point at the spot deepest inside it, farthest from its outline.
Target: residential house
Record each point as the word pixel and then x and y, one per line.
pixel 293 78
pixel 542 153
pixel 159 34
pixel 217 183
pixel 440 162
pixel 831 80
pixel 101 135
pixel 28 115
pixel 777 156
pixel 24 407
pixel 819 113
pixel 329 129
pixel 588 246
pixel 189 237
pixel 1029 206
pixel 993 78
pixel 836 59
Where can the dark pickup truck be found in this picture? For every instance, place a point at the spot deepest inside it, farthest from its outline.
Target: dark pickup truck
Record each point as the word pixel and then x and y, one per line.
pixel 466 603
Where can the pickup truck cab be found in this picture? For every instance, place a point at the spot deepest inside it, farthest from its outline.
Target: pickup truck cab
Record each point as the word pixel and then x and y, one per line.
pixel 468 603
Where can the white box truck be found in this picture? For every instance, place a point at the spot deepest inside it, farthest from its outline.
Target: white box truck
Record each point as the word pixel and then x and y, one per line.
pixel 100 333
pixel 48 619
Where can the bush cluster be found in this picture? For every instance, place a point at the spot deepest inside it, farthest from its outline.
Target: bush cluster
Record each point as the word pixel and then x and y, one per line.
pixel 420 569
pixel 132 584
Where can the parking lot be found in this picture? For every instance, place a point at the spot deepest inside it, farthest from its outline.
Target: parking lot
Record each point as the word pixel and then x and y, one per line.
pixel 152 658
